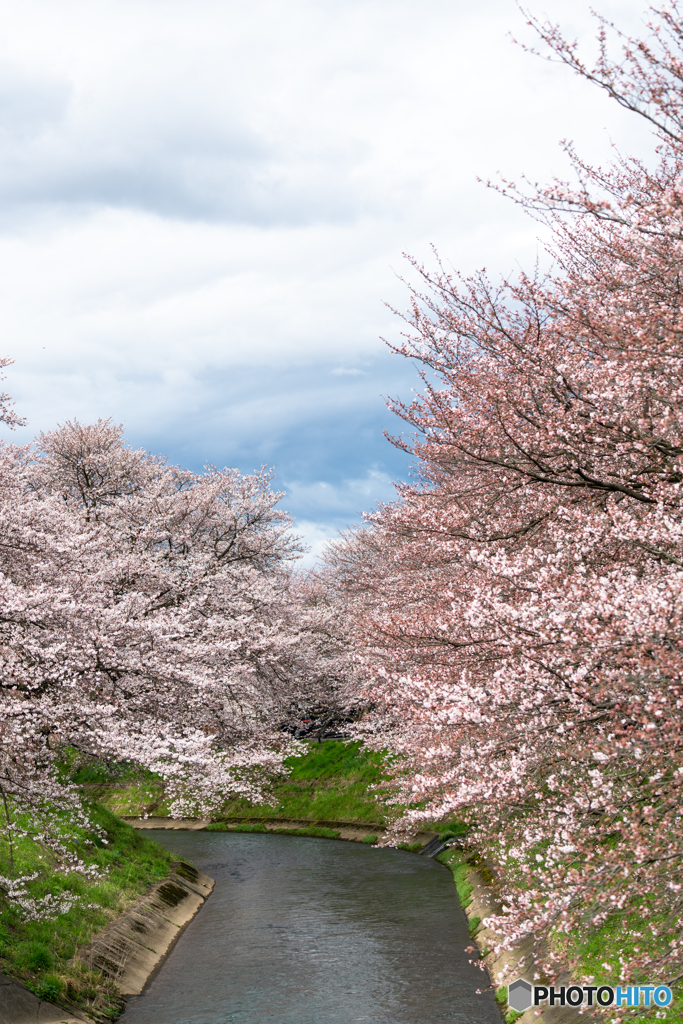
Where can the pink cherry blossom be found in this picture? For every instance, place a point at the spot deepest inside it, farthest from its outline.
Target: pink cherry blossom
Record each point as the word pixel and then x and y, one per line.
pixel 517 612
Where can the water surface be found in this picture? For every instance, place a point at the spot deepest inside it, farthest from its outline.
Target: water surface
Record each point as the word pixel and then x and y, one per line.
pixel 313 931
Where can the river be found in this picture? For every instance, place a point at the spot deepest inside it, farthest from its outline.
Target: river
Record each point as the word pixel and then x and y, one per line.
pixel 313 931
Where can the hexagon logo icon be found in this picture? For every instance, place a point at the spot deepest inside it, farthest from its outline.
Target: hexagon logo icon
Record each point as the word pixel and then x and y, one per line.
pixel 519 995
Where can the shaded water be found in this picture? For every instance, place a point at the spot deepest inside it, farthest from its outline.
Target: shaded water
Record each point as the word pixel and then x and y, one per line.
pixel 312 931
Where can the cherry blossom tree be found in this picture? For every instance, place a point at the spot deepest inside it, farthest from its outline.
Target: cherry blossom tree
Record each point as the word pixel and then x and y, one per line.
pixel 517 610
pixel 147 615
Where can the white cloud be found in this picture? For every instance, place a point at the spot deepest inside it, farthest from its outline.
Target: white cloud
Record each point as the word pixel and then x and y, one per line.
pixel 315 537
pixel 203 207
pixel 339 500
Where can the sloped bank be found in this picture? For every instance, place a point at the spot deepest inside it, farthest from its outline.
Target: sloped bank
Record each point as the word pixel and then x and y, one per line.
pixel 478 900
pixel 120 866
pixel 127 952
pixel 19 1005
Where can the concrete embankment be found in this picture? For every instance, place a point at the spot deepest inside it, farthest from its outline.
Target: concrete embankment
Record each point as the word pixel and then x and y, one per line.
pixel 132 947
pixel 518 962
pixel 352 831
pixel 18 1005
pixel 127 952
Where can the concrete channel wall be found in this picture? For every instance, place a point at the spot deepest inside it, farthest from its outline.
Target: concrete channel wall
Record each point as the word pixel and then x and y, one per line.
pixel 519 962
pixel 127 952
pixel 353 831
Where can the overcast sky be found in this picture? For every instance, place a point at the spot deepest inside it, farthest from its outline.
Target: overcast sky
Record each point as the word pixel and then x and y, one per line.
pixel 203 207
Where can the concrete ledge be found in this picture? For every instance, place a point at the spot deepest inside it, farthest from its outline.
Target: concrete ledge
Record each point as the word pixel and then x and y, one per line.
pixel 352 831
pixel 18 1005
pixel 133 946
pixel 187 824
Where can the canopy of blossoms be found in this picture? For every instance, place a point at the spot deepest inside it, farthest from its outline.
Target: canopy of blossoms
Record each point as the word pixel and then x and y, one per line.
pixel 147 615
pixel 517 611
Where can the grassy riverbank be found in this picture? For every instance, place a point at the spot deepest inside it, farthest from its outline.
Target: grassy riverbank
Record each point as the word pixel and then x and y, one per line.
pixel 597 952
pixel 332 781
pixel 41 953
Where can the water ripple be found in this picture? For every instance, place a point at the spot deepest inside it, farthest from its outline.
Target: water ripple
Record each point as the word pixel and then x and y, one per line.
pixel 311 931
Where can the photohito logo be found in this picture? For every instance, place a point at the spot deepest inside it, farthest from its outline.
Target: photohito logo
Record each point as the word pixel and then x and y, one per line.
pixel 522 995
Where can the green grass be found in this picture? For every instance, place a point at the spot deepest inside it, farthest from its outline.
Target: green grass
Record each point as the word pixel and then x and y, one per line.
pixel 220 826
pixel 40 953
pixel 136 797
pixel 460 867
pixel 332 781
pixel 616 938
pixel 454 830
pixel 502 999
pixel 312 830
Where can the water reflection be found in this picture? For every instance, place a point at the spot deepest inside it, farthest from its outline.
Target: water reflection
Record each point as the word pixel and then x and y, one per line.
pixel 312 931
